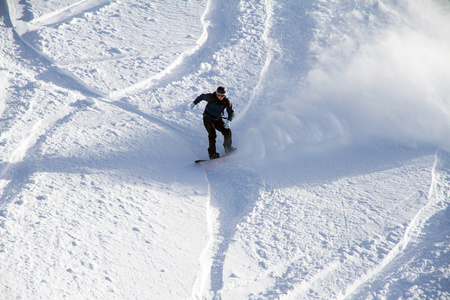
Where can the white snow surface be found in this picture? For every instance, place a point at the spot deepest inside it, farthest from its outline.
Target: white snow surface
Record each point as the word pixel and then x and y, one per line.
pixel 339 189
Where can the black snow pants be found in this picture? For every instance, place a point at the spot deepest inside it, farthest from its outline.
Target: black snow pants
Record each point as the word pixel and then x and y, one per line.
pixel 211 126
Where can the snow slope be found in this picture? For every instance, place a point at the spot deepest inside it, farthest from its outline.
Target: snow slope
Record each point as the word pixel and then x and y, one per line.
pixel 340 187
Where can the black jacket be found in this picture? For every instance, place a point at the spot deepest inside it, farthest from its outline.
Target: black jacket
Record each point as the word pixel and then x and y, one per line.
pixel 214 110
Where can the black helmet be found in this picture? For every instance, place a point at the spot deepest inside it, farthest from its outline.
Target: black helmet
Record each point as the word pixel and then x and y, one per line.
pixel 221 90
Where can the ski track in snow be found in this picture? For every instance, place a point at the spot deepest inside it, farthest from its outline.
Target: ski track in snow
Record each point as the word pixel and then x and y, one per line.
pixel 229 211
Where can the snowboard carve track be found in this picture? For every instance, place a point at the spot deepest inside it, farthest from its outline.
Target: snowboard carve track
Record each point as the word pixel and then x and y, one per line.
pixel 413 229
pixel 67 13
pixel 27 150
pixel 202 283
pixel 175 70
pixel 270 46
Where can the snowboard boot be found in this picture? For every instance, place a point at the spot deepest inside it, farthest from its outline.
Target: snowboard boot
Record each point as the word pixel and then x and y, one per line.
pixel 229 150
pixel 214 155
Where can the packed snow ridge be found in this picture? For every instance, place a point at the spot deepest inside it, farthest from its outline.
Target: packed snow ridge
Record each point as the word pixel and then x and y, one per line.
pixel 339 188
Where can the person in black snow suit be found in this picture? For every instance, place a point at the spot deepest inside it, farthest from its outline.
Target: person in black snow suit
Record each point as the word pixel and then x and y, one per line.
pixel 212 119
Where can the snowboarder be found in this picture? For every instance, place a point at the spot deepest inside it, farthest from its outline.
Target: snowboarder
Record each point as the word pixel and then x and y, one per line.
pixel 212 119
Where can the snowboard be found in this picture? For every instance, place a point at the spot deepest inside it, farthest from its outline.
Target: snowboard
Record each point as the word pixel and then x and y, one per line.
pixel 199 161
pixel 222 158
pixel 208 161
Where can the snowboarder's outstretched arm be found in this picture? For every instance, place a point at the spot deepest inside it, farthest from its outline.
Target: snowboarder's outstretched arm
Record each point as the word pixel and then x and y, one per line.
pixel 200 98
